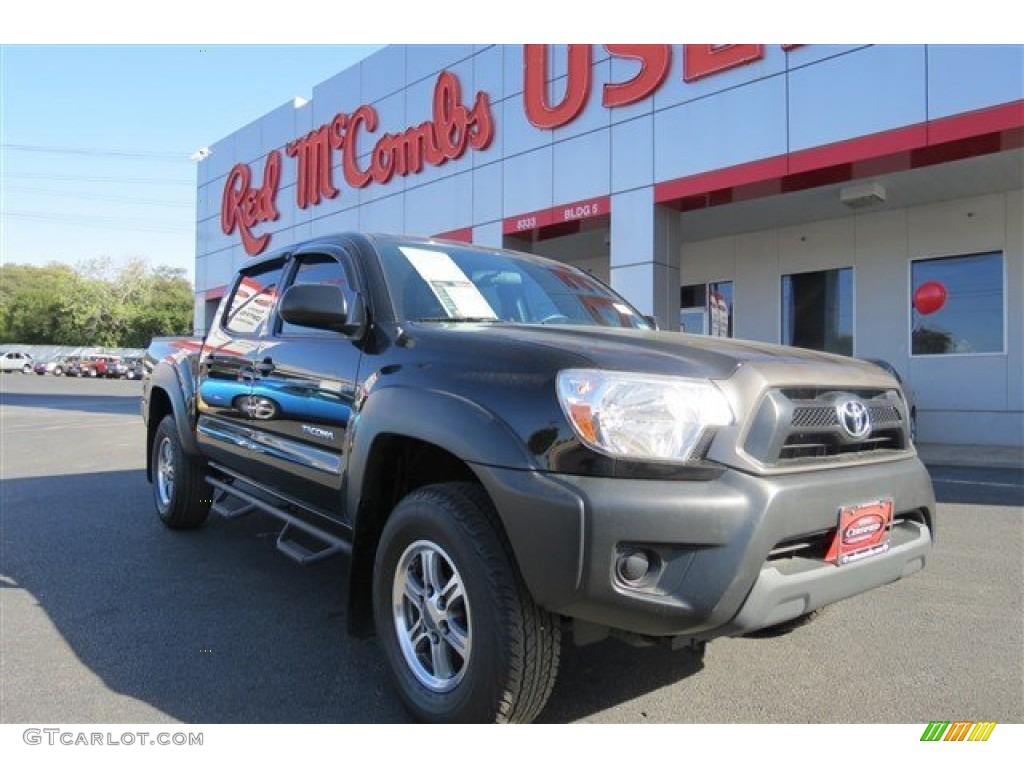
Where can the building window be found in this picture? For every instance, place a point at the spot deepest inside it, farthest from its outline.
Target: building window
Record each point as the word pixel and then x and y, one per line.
pixel 957 305
pixel 817 310
pixel 706 308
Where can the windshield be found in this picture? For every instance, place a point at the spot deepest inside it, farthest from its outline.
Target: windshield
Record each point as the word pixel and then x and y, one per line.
pixel 454 283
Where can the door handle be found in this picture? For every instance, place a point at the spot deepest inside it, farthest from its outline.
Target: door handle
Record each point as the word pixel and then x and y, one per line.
pixel 265 367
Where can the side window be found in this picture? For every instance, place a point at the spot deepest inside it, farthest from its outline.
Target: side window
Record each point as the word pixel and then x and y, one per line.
pixel 325 270
pixel 253 300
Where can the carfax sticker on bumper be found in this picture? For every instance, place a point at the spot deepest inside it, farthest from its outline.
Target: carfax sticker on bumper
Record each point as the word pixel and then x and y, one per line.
pixel 863 531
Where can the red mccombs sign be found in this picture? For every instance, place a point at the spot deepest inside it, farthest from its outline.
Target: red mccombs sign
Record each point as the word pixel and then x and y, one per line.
pixel 452 129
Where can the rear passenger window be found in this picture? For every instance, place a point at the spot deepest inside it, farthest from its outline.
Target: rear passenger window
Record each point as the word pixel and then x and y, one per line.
pixel 253 300
pixel 325 270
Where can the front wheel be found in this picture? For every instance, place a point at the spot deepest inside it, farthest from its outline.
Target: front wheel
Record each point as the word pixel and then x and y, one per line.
pixel 463 638
pixel 181 493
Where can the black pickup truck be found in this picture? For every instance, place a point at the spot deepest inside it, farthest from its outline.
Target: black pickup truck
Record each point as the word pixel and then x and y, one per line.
pixel 506 450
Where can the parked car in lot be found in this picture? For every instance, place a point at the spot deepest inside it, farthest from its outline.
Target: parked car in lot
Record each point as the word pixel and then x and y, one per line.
pixel 96 366
pixel 135 370
pixel 115 369
pixel 15 361
pixel 71 366
pixel 54 366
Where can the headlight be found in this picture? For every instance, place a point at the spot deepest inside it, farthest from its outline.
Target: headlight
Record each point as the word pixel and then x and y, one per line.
pixel 641 416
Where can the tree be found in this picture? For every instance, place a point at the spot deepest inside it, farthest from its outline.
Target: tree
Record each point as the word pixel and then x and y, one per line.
pixel 95 304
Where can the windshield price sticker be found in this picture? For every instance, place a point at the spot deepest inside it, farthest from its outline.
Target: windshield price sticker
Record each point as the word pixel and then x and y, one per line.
pixel 451 286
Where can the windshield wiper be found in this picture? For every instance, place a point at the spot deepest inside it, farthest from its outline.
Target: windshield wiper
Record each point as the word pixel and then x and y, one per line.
pixel 457 320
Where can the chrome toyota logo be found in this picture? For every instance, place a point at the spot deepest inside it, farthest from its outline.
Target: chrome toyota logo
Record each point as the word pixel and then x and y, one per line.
pixel 853 415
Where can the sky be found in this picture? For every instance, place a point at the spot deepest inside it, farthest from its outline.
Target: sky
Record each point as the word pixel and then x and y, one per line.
pixel 96 133
pixel 96 139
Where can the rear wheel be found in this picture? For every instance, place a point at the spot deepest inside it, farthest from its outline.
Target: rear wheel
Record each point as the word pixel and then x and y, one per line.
pixel 181 494
pixel 464 640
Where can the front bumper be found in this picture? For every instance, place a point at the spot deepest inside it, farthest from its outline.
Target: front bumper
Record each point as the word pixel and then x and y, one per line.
pixel 711 541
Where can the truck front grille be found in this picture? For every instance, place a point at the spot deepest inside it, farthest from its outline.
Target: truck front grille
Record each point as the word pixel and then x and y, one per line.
pixel 803 426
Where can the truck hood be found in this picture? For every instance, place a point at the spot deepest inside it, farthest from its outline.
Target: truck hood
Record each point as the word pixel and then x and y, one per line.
pixel 664 352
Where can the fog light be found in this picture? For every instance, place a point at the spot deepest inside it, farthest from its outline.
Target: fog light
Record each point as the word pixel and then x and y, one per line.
pixel 633 567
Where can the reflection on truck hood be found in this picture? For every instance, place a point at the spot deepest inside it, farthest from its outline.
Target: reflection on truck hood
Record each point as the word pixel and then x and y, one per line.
pixel 627 349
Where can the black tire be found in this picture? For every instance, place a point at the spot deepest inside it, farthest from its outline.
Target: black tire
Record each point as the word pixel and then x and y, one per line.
pixel 182 499
pixel 510 668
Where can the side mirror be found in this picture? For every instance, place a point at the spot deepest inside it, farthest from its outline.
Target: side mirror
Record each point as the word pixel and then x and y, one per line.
pixel 653 321
pixel 321 306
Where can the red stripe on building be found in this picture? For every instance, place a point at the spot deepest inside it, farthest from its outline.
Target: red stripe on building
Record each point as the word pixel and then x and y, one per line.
pixel 985 131
pixel 464 235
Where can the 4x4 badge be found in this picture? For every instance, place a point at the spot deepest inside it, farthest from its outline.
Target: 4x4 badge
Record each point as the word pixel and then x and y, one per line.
pixel 853 415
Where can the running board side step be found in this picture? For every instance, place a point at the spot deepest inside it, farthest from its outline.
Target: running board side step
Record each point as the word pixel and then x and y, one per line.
pixel 230 506
pixel 242 503
pixel 288 546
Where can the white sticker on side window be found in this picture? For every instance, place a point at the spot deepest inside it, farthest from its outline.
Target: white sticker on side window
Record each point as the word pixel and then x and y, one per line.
pixel 455 291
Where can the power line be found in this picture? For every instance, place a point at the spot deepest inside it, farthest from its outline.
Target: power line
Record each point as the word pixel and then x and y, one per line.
pixel 171 157
pixel 101 222
pixel 105 198
pixel 111 179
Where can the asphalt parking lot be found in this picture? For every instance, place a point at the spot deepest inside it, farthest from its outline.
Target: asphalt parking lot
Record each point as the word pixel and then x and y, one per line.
pixel 109 617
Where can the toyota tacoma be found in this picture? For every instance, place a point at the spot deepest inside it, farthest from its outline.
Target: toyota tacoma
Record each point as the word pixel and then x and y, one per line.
pixel 506 450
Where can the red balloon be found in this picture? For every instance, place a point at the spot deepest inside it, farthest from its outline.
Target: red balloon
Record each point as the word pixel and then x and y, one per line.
pixel 930 297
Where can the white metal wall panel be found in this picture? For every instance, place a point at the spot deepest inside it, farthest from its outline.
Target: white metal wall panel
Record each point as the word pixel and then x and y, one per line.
pixel 489 72
pixel 383 73
pixel 632 230
pixel 962 78
pixel 1014 256
pixel 385 215
pixel 757 291
pixel 489 235
pixel 526 182
pixel 487 193
pixel 744 124
pixel 582 167
pixel 342 221
pixel 623 70
pixel 277 128
pixel 341 93
pixel 882 312
pixel 518 135
pixel 632 150
pixel 440 207
pixel 678 91
pixel 594 116
pixel 512 63
pixel 426 61
pixel 867 91
pixel 805 55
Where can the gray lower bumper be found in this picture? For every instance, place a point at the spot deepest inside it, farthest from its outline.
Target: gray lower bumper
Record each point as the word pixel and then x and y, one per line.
pixel 713 540
pixel 788 590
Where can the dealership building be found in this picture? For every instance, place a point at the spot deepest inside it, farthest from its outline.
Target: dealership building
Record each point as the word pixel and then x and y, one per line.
pixel 865 200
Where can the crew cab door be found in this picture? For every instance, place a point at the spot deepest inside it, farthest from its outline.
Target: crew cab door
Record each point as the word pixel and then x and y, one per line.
pixel 303 392
pixel 226 367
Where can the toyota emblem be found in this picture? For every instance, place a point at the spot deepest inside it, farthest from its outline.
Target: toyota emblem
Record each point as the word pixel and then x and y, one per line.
pixel 853 415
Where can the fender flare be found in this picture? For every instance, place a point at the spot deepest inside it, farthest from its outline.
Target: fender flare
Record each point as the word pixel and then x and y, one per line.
pixel 453 423
pixel 176 381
